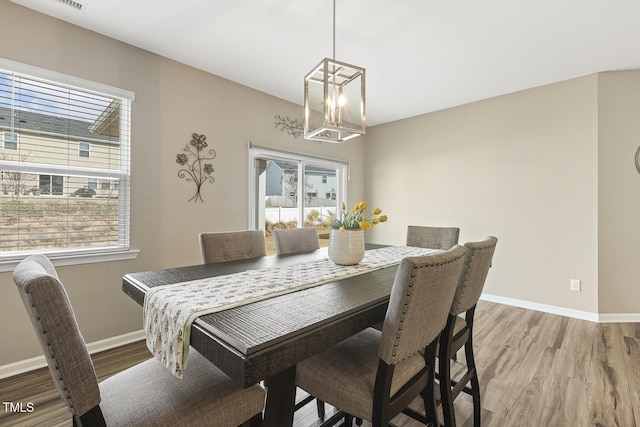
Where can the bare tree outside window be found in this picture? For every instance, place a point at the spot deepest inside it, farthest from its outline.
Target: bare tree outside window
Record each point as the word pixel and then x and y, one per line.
pixel 291 188
pixel 310 196
pixel 17 183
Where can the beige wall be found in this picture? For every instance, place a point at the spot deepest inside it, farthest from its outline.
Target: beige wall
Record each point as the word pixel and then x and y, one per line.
pixel 618 192
pixel 522 167
pixel 172 101
pixel 549 171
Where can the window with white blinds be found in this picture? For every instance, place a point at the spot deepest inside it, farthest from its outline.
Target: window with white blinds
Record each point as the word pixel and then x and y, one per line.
pixel 64 162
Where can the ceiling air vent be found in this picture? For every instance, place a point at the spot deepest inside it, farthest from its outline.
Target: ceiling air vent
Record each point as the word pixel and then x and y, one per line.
pixel 75 4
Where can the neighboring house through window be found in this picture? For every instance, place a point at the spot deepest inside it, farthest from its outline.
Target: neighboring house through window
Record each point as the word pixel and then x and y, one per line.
pixel 278 178
pixel 55 115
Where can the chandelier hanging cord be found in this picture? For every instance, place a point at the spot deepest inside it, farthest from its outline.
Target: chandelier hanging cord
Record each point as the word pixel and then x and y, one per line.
pixel 334 30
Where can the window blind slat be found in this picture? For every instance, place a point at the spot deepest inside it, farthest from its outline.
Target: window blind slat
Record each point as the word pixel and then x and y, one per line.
pixel 64 167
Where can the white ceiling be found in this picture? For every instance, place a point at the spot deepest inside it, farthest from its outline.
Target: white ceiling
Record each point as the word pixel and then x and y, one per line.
pixel 420 55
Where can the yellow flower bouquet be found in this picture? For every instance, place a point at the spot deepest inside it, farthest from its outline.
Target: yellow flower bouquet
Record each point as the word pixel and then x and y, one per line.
pixel 355 218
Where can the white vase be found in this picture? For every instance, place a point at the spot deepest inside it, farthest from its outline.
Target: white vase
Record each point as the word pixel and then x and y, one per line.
pixel 346 247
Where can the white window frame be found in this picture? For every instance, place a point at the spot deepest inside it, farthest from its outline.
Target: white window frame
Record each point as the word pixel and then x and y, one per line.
pixel 80 255
pixel 257 152
pixel 80 150
pixel 16 137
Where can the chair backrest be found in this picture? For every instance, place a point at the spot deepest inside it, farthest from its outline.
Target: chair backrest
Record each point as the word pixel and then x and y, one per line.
pixel 294 240
pixel 432 237
pixel 419 304
pixel 477 262
pixel 232 245
pixel 55 324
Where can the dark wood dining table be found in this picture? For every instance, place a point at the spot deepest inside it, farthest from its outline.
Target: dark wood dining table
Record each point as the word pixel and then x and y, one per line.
pixel 265 340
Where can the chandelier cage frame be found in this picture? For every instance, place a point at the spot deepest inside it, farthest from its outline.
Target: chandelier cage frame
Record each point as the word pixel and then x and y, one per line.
pixel 334 99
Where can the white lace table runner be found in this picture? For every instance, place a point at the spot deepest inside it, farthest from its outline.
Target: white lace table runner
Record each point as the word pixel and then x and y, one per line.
pixel 169 310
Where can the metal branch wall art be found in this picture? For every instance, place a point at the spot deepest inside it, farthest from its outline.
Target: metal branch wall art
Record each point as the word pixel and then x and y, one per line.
pixel 293 127
pixel 195 168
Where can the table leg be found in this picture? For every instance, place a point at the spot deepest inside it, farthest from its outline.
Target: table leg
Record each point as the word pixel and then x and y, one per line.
pixel 281 397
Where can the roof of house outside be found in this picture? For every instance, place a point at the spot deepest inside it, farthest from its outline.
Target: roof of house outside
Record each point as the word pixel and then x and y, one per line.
pixel 288 167
pixel 44 124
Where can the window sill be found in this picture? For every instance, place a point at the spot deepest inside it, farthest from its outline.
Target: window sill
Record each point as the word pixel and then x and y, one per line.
pixel 76 259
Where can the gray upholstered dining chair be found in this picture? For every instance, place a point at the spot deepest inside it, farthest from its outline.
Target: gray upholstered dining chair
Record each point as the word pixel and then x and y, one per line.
pixel 459 330
pixel 294 240
pixel 432 237
pixel 375 374
pixel 145 394
pixel 232 245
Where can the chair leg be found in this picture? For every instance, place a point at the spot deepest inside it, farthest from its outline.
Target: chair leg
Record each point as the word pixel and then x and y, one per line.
pixel 444 377
pixel 446 397
pixel 335 419
pixel 348 420
pixel 93 417
pixel 475 383
pixel 428 395
pixel 256 421
pixel 320 408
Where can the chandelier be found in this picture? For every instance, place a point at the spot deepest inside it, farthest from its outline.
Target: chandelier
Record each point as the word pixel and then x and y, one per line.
pixel 334 99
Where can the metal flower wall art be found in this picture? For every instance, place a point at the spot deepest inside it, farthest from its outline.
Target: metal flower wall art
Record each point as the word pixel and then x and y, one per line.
pixel 194 161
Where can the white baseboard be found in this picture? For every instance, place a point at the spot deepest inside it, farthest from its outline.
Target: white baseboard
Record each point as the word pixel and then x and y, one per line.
pixel 562 311
pixel 545 308
pixel 38 362
pixel 619 318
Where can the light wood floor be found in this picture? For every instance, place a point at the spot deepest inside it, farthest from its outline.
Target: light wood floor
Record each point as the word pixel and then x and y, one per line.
pixel 536 369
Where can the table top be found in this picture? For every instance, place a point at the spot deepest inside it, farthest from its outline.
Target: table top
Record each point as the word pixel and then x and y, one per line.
pixel 257 340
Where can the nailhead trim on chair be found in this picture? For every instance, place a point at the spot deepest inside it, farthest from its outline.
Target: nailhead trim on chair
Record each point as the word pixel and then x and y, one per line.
pixel 44 332
pixel 413 274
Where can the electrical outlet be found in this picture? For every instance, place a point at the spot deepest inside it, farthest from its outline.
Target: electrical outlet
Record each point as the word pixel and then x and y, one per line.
pixel 575 285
